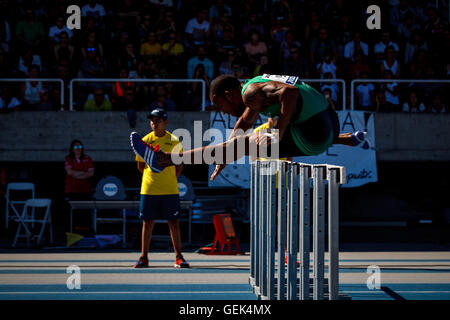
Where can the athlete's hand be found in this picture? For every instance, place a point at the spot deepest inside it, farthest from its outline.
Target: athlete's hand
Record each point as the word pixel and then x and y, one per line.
pixel 218 169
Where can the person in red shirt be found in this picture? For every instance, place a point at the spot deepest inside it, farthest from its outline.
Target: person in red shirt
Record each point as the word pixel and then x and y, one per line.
pixel 79 169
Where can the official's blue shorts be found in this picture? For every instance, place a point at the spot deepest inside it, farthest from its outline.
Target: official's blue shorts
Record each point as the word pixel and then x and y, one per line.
pixel 165 207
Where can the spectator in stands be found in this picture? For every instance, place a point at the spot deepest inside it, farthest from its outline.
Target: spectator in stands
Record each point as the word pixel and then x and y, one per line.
pixel 172 48
pixel 358 66
pixel 79 169
pixel 297 64
pixel 165 26
pixel 27 59
pixel 129 60
pixel 94 9
pixel 365 94
pixel 328 95
pixel 263 61
pixel 390 63
pixel 253 23
pixel 145 25
pixel 419 64
pixel 118 87
pixel 400 12
pixel 92 66
pixel 29 31
pixel 172 54
pixel 322 46
pixel 380 101
pixel 327 65
pixel 286 45
pixel 194 96
pixel 99 102
pixel 45 104
pixel 332 86
pixel 226 65
pixel 435 30
pixel 255 48
pixel 7 101
pixel 278 30
pixel 227 41
pixel 5 35
pixel 415 43
pixel 197 30
pixel 217 9
pixel 390 90
pixel 380 48
pixel 162 101
pixel 312 27
pixel 355 45
pixel 437 106
pixel 31 89
pixel 93 45
pixel 55 31
pixel 151 47
pixel 200 58
pixel 407 28
pixel 128 102
pixel 223 33
pixel 63 49
pixel 413 104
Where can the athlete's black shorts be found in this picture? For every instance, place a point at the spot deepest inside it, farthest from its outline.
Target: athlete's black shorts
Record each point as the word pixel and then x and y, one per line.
pixel 164 207
pixel 317 129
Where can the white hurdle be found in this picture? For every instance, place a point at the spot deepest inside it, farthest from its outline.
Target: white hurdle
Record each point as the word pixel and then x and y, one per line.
pixel 280 219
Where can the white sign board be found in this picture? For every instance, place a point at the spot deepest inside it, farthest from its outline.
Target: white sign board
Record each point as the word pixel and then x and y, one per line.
pixel 360 164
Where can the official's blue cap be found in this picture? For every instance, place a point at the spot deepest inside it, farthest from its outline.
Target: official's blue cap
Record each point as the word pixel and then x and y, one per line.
pixel 159 113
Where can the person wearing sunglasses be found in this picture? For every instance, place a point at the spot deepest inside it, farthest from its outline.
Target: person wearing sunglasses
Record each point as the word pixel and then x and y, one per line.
pixel 79 169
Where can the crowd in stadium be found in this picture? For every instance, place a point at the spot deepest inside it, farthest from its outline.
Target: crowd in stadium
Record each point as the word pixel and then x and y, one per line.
pixel 178 39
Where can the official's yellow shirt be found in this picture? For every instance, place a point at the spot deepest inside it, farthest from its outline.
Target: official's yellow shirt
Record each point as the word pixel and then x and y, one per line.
pixel 164 182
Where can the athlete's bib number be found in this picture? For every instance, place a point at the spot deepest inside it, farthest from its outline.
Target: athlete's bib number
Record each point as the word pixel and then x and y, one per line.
pixel 280 78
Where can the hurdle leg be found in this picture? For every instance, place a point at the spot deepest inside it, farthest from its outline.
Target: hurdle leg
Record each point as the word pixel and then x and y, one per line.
pixel 252 222
pixel 333 235
pixel 292 231
pixel 257 226
pixel 281 231
pixel 304 231
pixel 319 235
pixel 264 233
pixel 271 230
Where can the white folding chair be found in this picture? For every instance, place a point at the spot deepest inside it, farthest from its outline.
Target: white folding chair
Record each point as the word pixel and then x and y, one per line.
pixel 26 218
pixel 11 201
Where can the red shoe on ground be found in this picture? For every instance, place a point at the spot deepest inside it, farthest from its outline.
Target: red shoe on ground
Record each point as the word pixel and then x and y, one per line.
pixel 142 263
pixel 180 262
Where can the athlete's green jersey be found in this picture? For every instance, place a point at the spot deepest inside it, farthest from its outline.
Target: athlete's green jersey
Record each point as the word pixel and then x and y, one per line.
pixel 313 102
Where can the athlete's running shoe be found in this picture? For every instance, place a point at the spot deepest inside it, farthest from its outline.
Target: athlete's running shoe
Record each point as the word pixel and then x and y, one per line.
pixel 180 262
pixel 142 263
pixel 146 152
pixel 359 138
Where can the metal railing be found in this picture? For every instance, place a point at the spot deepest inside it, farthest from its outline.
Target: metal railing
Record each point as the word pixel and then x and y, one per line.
pixel 61 82
pixel 280 210
pixel 135 80
pixel 352 84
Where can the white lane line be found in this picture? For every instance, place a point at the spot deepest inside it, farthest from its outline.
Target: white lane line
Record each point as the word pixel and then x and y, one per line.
pixel 124 292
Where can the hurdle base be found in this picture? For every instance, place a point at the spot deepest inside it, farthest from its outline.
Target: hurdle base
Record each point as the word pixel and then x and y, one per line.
pixel 326 294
